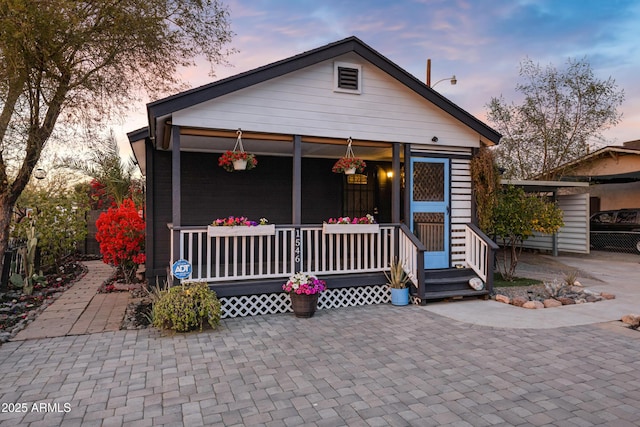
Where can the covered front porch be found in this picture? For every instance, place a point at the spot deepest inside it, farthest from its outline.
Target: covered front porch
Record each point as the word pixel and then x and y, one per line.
pixel 247 270
pixel 294 188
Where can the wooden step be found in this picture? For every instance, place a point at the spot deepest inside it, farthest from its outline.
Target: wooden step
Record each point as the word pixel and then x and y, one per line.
pixel 450 283
pixel 466 293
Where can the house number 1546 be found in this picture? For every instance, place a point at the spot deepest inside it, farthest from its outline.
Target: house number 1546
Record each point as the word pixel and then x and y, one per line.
pixel 298 248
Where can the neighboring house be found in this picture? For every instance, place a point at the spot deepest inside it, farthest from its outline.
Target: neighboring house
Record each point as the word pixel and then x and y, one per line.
pixel 613 173
pixel 296 116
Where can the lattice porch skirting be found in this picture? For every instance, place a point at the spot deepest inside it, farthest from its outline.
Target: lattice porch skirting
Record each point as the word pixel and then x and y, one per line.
pixel 252 305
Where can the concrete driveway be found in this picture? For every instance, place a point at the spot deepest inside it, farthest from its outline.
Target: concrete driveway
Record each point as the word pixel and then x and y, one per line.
pixel 618 274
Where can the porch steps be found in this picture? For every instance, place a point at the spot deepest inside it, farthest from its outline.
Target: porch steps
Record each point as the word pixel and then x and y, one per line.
pixel 450 283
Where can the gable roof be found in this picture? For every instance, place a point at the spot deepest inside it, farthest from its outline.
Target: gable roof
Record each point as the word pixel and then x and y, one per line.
pixel 165 107
pixel 567 170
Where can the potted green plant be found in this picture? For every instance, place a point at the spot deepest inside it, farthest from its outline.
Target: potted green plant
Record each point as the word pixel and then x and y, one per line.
pixel 397 279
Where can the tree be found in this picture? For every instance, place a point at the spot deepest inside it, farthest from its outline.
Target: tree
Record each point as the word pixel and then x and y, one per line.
pixel 515 217
pixel 112 179
pixel 84 60
pixel 563 111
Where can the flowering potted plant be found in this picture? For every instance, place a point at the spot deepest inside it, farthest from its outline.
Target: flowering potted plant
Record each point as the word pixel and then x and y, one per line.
pixel 349 165
pixel 237 160
pixel 346 225
pixel 303 289
pixel 240 226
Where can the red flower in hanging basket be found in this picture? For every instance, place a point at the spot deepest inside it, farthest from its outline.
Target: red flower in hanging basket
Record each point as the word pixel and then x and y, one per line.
pixel 226 160
pixel 349 163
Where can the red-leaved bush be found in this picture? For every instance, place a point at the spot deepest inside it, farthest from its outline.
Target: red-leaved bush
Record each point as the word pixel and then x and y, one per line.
pixel 121 237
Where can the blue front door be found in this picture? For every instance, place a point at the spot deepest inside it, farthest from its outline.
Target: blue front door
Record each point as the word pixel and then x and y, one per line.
pixel 430 219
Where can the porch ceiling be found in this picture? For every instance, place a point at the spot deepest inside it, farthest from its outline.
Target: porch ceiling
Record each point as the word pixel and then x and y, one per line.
pixel 282 147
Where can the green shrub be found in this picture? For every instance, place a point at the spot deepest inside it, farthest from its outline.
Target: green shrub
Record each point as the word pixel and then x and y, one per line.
pixel 185 307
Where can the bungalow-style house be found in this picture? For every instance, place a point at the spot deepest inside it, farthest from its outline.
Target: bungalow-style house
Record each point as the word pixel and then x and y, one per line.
pixel 298 116
pixel 613 173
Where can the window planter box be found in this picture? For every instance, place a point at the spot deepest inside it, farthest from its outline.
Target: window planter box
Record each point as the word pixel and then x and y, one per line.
pixel 350 228
pixel 241 230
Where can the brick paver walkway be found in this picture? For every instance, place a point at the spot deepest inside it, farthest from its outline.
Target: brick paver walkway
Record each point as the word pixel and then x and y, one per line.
pixel 80 310
pixel 362 366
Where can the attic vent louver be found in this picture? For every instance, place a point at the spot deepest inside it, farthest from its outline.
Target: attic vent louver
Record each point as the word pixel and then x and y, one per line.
pixel 347 77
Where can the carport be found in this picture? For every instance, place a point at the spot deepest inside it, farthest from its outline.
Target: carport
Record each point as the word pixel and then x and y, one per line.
pixel 573 237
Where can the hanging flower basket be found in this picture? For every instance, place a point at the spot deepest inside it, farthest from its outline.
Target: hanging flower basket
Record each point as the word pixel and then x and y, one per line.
pixel 237 159
pixel 349 164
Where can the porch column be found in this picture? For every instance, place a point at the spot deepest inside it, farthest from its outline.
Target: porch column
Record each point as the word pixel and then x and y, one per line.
pixel 175 191
pixel 395 184
pixel 296 188
pixel 407 180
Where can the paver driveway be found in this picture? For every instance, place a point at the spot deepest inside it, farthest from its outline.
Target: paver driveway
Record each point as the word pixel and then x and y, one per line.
pixel 362 366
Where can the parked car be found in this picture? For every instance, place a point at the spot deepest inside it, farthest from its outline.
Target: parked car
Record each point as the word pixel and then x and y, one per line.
pixel 616 229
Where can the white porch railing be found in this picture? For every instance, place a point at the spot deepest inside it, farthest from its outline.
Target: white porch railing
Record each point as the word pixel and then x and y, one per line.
pixel 479 253
pixel 292 248
pixel 410 255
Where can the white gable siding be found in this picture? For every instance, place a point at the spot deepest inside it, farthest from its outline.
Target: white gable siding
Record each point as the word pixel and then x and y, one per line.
pixel 304 103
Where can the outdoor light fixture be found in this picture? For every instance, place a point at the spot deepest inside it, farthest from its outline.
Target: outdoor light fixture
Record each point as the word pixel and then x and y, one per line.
pixel 40 173
pixel 452 79
pixel 389 174
pixel 434 139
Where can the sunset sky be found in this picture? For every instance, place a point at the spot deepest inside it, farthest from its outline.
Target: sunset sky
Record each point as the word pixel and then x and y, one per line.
pixel 482 42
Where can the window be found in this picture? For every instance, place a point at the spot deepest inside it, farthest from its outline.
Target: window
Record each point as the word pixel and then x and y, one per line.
pixel 603 218
pixel 347 78
pixel 626 217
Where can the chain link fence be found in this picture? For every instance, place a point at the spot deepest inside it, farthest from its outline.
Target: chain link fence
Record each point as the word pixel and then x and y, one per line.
pixel 616 241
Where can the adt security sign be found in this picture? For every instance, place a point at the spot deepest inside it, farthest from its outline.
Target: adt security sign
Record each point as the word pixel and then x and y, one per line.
pixel 181 269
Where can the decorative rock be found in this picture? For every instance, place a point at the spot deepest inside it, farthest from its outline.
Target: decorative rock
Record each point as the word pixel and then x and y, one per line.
pixel 591 298
pixel 548 303
pixel 566 300
pixel 503 298
pixel 632 320
pixel 519 301
pixel 607 296
pixel 476 283
pixel 576 283
pixel 533 305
